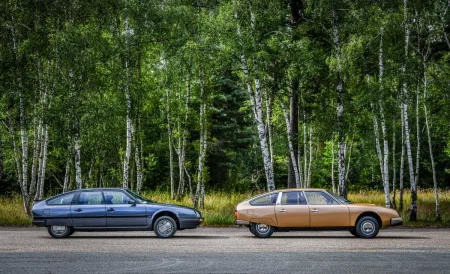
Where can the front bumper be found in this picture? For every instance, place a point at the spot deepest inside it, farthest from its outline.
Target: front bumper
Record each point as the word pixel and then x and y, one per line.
pixel 190 223
pixel 396 221
pixel 241 222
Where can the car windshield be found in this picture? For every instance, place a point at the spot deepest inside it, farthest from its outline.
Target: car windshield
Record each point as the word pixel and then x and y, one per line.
pixel 340 199
pixel 139 198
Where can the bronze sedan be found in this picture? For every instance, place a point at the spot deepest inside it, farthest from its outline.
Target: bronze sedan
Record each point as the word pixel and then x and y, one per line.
pixel 312 209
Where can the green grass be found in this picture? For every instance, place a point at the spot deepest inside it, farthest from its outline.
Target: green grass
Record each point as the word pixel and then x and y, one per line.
pixel 219 207
pixel 12 212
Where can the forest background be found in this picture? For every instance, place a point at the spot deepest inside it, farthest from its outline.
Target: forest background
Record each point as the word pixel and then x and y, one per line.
pixel 204 98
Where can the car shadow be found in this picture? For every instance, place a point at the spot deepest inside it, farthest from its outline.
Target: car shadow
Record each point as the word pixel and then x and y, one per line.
pixel 341 237
pixel 144 237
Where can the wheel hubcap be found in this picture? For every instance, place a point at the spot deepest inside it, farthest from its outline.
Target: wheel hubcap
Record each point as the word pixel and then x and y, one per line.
pixel 165 227
pixel 262 228
pixel 59 230
pixel 367 227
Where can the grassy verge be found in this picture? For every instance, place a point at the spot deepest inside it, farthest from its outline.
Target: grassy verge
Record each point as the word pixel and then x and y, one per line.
pixel 219 207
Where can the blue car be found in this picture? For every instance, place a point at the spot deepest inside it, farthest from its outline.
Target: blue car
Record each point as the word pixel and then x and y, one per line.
pixel 111 209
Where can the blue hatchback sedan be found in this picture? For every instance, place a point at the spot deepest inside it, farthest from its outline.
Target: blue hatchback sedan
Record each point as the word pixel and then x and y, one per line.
pixel 111 209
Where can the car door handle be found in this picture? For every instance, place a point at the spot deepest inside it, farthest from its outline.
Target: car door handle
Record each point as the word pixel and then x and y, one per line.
pixel 110 209
pixel 78 210
pixel 282 210
pixel 314 210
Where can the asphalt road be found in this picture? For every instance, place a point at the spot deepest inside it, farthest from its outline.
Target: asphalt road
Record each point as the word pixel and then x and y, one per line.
pixel 225 250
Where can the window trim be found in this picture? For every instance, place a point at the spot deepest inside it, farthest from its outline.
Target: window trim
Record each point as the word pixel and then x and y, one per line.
pixel 60 195
pixel 325 193
pixel 264 195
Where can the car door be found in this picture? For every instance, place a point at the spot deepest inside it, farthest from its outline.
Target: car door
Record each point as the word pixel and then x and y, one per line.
pixel 262 209
pixel 123 211
pixel 89 210
pixel 325 211
pixel 293 211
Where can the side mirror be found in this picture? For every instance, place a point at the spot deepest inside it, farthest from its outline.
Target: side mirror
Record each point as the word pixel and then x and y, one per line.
pixel 132 202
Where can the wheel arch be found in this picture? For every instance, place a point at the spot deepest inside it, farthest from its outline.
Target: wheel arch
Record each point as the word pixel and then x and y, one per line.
pixel 371 214
pixel 165 213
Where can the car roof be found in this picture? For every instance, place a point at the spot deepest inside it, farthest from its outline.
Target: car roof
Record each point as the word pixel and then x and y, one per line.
pixel 298 189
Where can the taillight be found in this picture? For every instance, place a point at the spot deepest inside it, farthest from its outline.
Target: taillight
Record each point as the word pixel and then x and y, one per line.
pixel 235 214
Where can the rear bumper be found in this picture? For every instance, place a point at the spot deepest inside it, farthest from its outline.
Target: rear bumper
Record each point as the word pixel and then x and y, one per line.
pixel 396 221
pixel 39 222
pixel 241 222
pixel 190 223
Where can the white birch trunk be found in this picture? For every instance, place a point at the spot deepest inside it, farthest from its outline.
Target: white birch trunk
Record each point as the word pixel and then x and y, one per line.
pixel 340 107
pixel 44 162
pixel 430 147
pixel 183 137
pixel 256 101
pixel 269 124
pixel 310 157
pixel 394 178
pixel 413 216
pixel 291 147
pixel 383 127
pixel 203 144
pixel 137 161
pixel 416 175
pixel 402 159
pixel 332 165
pixel 36 147
pixel 305 152
pixel 349 159
pixel 77 149
pixel 169 130
pixel 68 163
pixel 128 103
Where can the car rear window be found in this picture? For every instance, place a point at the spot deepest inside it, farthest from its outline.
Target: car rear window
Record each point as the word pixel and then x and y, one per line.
pixel 269 199
pixel 61 200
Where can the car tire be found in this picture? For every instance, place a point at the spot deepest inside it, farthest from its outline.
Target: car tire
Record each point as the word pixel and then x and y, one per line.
pixel 251 230
pixel 59 231
pixel 165 227
pixel 262 230
pixel 71 231
pixel 367 227
pixel 353 232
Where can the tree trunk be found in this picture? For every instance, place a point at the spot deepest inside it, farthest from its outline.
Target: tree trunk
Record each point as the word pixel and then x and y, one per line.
pixel 377 143
pixel 137 161
pixel 269 124
pixel 183 137
pixel 203 144
pixel 332 165
pixel 340 106
pixel 416 176
pixel 413 216
pixel 310 157
pixel 44 161
pixel 402 159
pixel 77 148
pixel 293 158
pixel 430 147
pixel 256 101
pixel 169 130
pixel 128 102
pixel 394 179
pixel 36 151
pixel 68 164
pixel 293 102
pixel 349 160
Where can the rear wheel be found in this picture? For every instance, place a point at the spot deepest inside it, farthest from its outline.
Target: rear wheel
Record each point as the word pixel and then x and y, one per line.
pixel 353 232
pixel 262 230
pixel 251 231
pixel 60 231
pixel 367 227
pixel 165 227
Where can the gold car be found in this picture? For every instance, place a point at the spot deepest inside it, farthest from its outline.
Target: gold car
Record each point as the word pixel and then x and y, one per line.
pixel 312 209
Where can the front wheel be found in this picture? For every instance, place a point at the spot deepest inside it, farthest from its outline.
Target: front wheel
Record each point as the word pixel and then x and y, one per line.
pixel 262 230
pixel 353 232
pixel 367 227
pixel 165 227
pixel 60 231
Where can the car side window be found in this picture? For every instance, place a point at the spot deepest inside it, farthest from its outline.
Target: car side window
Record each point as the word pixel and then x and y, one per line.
pixel 116 197
pixel 293 198
pixel 319 198
pixel 90 198
pixel 62 200
pixel 269 199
